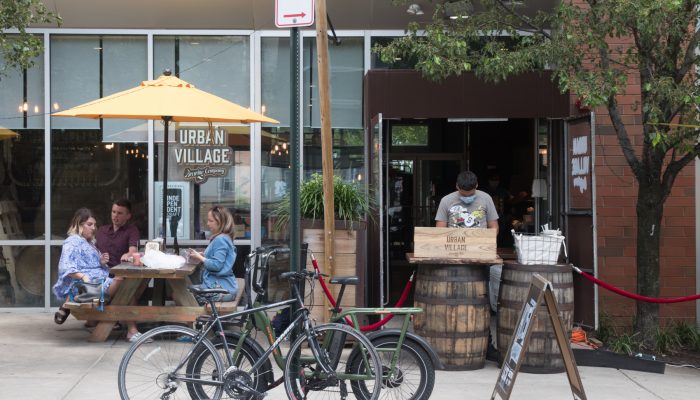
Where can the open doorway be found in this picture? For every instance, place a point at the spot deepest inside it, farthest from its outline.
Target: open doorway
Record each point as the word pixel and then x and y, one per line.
pixel 422 170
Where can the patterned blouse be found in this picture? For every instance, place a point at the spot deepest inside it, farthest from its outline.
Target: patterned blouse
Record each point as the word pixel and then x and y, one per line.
pixel 79 255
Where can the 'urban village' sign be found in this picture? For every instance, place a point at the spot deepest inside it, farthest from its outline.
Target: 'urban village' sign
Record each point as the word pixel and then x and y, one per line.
pixel 203 153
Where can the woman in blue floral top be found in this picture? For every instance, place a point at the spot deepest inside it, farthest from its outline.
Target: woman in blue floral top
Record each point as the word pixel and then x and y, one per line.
pixel 80 259
pixel 219 256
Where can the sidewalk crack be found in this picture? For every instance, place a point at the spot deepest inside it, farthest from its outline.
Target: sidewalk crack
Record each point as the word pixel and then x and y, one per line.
pixel 640 385
pixel 83 375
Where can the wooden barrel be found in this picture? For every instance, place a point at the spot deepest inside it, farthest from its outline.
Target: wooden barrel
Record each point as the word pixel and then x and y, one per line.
pixel 29 269
pixel 455 318
pixel 542 355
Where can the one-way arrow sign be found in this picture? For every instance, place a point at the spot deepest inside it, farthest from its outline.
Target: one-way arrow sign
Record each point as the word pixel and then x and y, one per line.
pixel 289 13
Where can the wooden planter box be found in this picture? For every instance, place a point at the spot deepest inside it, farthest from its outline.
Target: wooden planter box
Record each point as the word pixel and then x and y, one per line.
pixel 350 260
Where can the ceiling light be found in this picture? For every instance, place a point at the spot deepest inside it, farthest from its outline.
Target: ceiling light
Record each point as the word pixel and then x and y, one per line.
pixel 414 9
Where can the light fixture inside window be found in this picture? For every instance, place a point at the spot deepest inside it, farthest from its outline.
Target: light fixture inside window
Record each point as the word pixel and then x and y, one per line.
pixel 414 9
pixel 458 10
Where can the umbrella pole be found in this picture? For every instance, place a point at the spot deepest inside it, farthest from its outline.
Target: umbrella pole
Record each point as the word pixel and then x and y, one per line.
pixel 166 120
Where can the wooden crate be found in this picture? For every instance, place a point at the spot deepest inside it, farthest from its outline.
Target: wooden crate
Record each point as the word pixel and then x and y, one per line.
pixel 471 243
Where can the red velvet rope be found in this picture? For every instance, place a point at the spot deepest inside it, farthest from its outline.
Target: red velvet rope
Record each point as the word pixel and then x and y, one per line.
pixel 365 328
pixel 632 295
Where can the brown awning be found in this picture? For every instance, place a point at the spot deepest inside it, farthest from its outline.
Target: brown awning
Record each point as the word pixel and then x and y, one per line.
pixel 406 94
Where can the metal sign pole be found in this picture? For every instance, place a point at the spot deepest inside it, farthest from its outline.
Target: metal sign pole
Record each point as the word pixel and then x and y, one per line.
pixel 295 215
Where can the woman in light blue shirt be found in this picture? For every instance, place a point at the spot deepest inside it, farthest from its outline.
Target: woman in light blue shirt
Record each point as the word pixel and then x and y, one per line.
pixel 218 258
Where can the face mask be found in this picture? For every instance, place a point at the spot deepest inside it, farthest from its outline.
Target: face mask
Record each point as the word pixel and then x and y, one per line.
pixel 468 199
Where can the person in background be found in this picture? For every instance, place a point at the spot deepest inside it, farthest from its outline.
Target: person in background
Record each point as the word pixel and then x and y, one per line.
pixel 469 208
pixel 218 258
pixel 120 239
pixel 80 259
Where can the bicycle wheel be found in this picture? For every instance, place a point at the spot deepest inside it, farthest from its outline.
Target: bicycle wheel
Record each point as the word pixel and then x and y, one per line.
pixel 246 357
pixel 304 378
pixel 413 376
pixel 149 368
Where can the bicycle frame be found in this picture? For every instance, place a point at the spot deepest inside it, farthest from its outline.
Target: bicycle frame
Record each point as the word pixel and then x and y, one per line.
pixel 353 313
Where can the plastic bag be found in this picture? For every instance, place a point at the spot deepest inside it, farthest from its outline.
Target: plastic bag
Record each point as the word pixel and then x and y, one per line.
pixel 160 260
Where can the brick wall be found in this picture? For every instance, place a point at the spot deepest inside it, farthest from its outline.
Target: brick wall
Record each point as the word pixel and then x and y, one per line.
pixel 616 220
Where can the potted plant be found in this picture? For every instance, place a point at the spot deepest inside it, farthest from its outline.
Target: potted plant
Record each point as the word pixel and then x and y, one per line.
pixel 351 205
pixel 352 209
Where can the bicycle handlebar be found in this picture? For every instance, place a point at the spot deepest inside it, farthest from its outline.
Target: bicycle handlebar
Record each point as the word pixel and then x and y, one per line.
pixel 299 275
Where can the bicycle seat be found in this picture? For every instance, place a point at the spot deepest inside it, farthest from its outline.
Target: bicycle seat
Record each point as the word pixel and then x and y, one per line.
pixel 206 292
pixel 344 280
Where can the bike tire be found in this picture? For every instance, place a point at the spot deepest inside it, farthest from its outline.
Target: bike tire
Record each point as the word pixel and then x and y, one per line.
pixel 146 369
pixel 303 378
pixel 413 377
pixel 247 356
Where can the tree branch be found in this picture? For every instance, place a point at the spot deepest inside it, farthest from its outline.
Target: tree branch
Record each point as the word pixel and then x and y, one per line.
pixel 524 20
pixel 674 168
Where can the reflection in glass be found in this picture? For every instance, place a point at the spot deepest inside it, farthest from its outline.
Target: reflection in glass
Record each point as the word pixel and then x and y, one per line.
pixel 275 154
pixel 95 162
pixel 22 275
pixel 219 65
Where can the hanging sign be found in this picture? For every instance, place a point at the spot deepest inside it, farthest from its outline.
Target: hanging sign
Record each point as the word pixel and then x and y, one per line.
pixel 579 156
pixel 203 153
pixel 539 288
pixel 290 13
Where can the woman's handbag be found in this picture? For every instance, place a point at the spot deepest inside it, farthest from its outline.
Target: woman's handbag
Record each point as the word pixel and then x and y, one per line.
pixel 87 292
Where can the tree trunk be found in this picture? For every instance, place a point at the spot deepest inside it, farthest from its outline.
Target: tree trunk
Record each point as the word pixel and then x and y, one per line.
pixel 649 214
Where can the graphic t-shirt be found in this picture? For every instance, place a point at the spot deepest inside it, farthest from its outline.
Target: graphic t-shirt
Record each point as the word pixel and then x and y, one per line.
pixel 458 214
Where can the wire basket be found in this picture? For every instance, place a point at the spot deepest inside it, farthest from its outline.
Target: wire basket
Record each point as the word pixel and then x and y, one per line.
pixel 538 249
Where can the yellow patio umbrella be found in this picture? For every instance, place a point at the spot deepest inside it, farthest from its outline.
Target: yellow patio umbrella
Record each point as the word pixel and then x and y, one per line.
pixel 6 134
pixel 170 99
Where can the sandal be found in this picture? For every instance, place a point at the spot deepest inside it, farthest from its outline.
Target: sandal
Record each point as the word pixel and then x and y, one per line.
pixel 61 315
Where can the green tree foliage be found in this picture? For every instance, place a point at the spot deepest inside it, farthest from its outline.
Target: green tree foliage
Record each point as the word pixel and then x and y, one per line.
pixel 595 49
pixel 18 49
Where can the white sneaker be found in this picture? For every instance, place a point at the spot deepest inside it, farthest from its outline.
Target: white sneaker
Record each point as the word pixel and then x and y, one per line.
pixel 136 336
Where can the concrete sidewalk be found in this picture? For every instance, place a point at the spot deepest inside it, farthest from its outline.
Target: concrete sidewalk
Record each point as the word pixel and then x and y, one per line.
pixel 42 360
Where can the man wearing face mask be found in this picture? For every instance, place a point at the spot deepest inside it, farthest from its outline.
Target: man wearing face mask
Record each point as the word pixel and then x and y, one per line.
pixel 467 207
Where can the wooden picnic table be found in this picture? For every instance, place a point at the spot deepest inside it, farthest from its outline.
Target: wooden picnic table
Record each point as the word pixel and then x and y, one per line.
pixel 186 308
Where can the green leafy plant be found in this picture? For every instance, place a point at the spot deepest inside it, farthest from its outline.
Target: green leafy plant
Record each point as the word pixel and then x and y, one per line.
pixel 688 335
pixel 625 344
pixel 351 204
pixel 666 340
pixel 605 331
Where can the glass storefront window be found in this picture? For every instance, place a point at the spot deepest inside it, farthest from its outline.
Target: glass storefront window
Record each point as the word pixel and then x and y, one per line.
pixel 219 65
pixel 94 162
pixel 275 139
pixel 22 150
pixel 22 275
pixel 346 72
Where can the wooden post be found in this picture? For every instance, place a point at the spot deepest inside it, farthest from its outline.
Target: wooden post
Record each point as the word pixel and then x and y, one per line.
pixel 326 138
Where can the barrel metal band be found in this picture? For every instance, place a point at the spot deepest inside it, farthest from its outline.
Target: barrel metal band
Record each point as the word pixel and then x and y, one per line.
pixel 449 335
pixel 463 301
pixel 508 282
pixel 450 279
pixel 517 305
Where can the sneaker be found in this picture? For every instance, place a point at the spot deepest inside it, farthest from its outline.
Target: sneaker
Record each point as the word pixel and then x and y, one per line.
pixel 184 339
pixel 136 336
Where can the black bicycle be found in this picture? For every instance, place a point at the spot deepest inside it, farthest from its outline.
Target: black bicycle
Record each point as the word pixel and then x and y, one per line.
pixel 326 361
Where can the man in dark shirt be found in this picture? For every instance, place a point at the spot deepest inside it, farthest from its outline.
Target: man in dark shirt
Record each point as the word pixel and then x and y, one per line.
pixel 120 239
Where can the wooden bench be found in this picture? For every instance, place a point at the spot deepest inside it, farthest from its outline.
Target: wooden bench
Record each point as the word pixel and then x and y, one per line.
pixel 227 307
pixel 89 311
